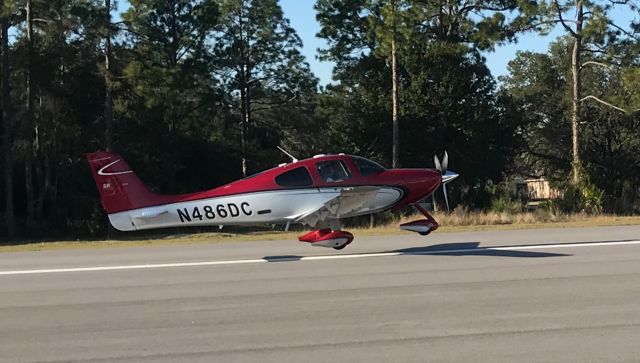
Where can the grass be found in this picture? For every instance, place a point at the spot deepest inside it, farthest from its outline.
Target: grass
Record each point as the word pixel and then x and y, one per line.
pixel 464 220
pixel 459 220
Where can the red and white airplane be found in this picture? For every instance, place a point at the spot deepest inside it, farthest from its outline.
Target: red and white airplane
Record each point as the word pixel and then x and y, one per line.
pixel 317 192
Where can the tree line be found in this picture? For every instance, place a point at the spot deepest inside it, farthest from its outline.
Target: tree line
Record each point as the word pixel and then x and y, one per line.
pixel 197 93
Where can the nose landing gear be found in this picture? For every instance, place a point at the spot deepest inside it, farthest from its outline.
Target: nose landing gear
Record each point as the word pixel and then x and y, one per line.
pixel 421 226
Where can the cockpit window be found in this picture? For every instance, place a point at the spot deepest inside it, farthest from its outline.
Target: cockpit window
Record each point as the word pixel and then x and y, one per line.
pixel 298 177
pixel 333 171
pixel 367 167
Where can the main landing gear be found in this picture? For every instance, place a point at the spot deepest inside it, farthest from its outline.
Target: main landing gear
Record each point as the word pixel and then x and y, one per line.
pixel 327 237
pixel 421 226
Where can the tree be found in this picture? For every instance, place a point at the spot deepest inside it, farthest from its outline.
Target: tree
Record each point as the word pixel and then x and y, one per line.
pixel 541 84
pixel 258 62
pixel 168 95
pixel 595 33
pixel 361 22
pixel 53 92
pixel 7 117
pixel 31 127
pixel 108 77
pixel 389 27
pixel 357 30
pixel 40 43
pixel 61 75
pixel 538 85
pixel 449 99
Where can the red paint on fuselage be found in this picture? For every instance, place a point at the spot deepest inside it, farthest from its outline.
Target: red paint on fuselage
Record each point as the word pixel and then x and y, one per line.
pixel 121 190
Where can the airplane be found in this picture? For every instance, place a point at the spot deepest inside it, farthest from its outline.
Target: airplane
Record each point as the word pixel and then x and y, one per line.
pixel 318 192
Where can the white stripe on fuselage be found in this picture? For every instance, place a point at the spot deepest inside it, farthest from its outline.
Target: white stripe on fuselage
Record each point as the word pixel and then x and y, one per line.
pixel 244 209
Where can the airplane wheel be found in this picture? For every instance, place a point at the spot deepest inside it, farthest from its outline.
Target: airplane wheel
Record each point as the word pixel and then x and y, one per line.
pixel 342 247
pixel 424 233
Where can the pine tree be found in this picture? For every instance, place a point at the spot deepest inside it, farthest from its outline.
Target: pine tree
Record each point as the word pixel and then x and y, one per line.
pixel 258 62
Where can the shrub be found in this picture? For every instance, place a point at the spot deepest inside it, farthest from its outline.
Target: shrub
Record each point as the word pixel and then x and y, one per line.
pixel 507 198
pixel 582 198
pixel 505 204
pixel 592 198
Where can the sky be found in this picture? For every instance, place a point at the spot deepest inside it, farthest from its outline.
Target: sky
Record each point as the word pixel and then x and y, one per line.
pixel 303 19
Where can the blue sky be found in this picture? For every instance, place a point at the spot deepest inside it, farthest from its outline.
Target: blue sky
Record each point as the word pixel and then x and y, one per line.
pixel 303 19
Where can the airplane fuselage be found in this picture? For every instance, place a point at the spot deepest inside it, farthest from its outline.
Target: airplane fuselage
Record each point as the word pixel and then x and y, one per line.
pixel 277 206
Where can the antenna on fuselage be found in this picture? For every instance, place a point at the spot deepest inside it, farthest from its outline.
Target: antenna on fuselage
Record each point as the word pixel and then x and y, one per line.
pixel 293 158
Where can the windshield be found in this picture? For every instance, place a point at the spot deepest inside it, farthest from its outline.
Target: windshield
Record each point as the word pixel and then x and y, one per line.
pixel 367 167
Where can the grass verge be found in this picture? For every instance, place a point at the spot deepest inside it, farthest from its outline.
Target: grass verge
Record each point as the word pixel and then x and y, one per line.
pixel 458 221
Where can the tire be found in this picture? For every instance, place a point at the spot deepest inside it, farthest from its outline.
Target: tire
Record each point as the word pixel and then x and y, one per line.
pixel 342 247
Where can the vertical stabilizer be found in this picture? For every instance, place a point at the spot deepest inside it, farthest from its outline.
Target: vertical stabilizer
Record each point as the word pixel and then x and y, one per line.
pixel 120 189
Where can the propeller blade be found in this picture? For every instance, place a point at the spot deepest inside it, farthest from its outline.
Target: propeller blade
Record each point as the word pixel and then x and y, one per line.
pixel 445 162
pixel 446 197
pixel 437 162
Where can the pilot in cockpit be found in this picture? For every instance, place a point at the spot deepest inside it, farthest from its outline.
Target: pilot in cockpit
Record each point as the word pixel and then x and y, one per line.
pixel 330 173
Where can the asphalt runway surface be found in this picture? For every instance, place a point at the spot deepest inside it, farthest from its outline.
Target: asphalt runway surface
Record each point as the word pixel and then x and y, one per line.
pixel 552 295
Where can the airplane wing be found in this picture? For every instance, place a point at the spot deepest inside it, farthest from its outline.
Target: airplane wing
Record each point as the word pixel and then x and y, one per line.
pixel 348 200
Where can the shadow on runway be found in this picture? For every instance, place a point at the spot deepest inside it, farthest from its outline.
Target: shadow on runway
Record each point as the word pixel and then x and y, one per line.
pixel 473 248
pixel 444 249
pixel 284 258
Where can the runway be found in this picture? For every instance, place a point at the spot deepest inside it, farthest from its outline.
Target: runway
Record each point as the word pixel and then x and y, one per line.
pixel 498 296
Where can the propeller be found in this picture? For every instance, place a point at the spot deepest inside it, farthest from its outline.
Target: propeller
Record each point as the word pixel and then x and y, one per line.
pixel 446 175
pixel 445 163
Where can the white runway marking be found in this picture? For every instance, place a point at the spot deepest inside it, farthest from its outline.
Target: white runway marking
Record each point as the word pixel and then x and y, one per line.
pixel 314 258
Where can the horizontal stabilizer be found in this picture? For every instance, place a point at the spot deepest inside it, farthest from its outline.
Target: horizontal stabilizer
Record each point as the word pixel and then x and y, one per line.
pixel 146 217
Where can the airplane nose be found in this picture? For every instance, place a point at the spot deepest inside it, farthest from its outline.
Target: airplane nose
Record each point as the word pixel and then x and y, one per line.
pixel 449 176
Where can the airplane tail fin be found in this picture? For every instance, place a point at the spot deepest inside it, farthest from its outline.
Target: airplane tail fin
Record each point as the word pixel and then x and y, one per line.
pixel 119 188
